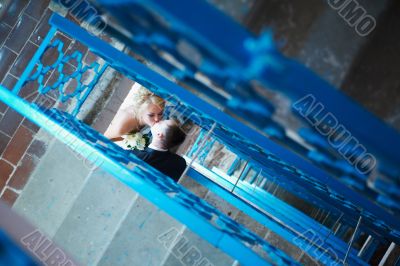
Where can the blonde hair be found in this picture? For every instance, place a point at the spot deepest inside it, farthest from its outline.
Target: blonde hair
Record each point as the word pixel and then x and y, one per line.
pixel 143 97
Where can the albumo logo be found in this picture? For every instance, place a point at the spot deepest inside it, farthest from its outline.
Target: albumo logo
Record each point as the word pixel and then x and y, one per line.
pixel 83 11
pixel 355 15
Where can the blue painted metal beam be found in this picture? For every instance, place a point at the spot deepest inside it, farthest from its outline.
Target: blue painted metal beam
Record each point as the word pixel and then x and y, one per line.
pixel 163 86
pixel 175 200
pixel 28 69
pixel 289 228
pixel 180 14
pixel 281 211
pixel 308 188
pixel 231 73
pixel 292 78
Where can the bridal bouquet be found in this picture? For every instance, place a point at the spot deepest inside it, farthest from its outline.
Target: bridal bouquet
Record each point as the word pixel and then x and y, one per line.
pixel 136 141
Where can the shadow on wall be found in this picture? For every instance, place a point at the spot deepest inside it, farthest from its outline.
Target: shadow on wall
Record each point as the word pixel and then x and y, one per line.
pixel 4 7
pixel 373 79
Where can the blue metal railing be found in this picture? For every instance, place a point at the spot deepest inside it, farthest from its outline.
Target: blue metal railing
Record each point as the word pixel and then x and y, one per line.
pixel 204 219
pixel 229 63
pixel 233 62
pixel 162 191
pixel 81 90
pixel 278 217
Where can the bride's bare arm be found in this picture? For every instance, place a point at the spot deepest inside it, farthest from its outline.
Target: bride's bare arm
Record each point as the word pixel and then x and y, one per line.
pixel 122 124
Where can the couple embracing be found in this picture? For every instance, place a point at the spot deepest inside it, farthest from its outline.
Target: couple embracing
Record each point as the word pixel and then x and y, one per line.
pixel 147 111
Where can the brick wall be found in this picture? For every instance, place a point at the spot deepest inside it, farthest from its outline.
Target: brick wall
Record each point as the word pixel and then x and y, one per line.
pixel 22 29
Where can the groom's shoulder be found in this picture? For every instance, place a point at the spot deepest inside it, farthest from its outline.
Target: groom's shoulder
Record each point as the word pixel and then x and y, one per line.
pixel 181 161
pixel 140 153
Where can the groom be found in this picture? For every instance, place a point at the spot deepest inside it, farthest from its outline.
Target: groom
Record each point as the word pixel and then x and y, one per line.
pixel 166 134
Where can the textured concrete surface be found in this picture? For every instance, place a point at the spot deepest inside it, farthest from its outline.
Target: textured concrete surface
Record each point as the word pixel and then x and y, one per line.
pixel 102 223
pixel 193 186
pixel 251 224
pixel 283 245
pixel 314 33
pixel 225 207
pixel 190 249
pixel 139 240
pixel 290 21
pixel 373 79
pixel 52 188
pixel 94 218
pixel 236 9
pixel 332 45
pixel 99 221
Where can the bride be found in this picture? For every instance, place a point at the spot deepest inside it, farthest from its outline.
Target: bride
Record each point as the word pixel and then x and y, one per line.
pixel 145 109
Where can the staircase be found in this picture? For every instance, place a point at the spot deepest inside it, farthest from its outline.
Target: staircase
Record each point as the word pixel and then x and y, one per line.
pixel 100 221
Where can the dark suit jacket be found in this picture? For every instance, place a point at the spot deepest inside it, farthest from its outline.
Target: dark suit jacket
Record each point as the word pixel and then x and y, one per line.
pixel 166 162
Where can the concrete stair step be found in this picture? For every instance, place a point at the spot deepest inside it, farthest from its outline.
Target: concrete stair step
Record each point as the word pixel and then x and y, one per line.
pixel 137 241
pixel 187 248
pixel 52 188
pixel 99 221
pixel 148 236
pixel 95 217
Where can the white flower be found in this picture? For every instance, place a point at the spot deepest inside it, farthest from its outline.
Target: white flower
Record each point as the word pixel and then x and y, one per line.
pixel 135 141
